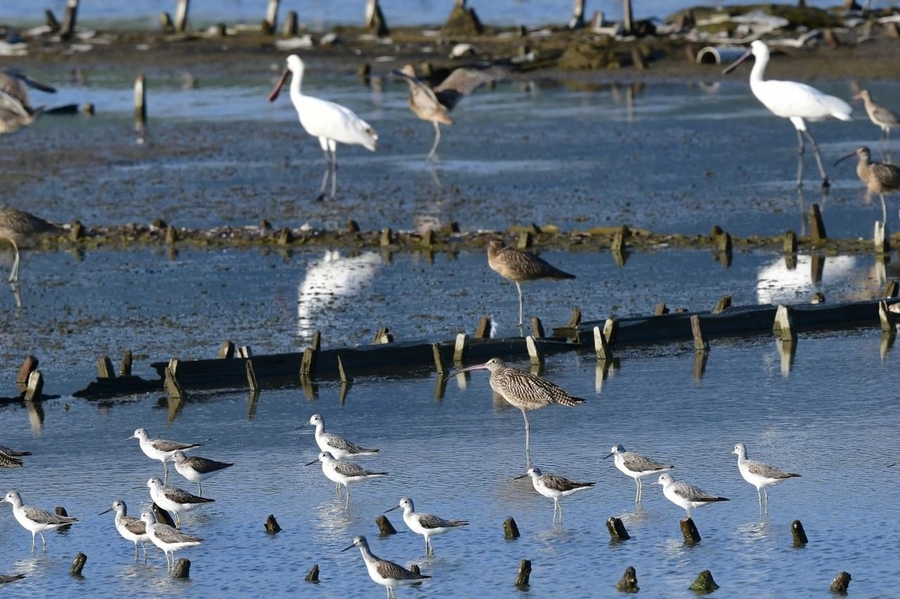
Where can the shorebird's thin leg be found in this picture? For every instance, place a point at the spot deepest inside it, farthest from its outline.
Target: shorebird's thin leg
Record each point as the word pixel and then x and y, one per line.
pixel 521 311
pixel 334 169
pixel 14 273
pixel 32 542
pixel 199 488
pixel 437 140
pixel 825 183
pixel 640 489
pixel 321 195
pixel 165 473
pixel 800 151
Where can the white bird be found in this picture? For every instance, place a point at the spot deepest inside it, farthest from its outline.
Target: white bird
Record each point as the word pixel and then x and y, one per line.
pixel 160 449
pixel 554 487
pixel 330 122
pixel 35 520
pixel 167 538
pixel 132 529
pixel 197 469
pixel 173 499
pixel 636 466
pixel 338 447
pixel 795 101
pixel 425 524
pixel 387 574
pixel 685 495
pixel 343 473
pixel 758 474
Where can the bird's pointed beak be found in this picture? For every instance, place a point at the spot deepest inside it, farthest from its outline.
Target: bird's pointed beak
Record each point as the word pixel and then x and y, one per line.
pixel 466 369
pixel 105 512
pixel 396 507
pixel 346 548
pixel 129 438
pixel 850 155
pixel 311 463
pixel 273 95
pixel 857 96
pixel 609 455
pixel 523 476
pixel 735 64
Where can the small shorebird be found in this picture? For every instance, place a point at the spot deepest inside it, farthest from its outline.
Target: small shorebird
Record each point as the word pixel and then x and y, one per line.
pixel 330 122
pixel 554 487
pixel 387 574
pixel 425 524
pixel 434 105
pixel 132 529
pixel 19 228
pixel 758 474
pixel 9 458
pixel 795 101
pixel 35 520
pixel 878 177
pixel 338 447
pixel 167 538
pixel 343 473
pixel 173 499
pixel 880 116
pixel 685 495
pixel 15 110
pixel 197 469
pixel 519 267
pixel 636 466
pixel 160 449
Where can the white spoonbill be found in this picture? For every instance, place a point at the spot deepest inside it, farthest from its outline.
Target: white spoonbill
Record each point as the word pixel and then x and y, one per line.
pixel 330 122
pixel 795 101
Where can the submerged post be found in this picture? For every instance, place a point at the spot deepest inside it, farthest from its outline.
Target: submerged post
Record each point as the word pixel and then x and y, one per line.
pixel 841 583
pixel 816 224
pixel 385 528
pixel 71 16
pixel 524 573
pixel 798 534
pixel 181 14
pixel 689 532
pixel 617 530
pixel 271 22
pixel 704 583
pixel 78 564
pixel 140 102
pixel 628 583
pixel 628 17
pixel 510 529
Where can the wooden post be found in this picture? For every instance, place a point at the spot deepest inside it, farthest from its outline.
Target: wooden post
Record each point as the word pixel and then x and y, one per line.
pixel 510 529
pixel 385 528
pixel 28 366
pixel 537 328
pixel 173 387
pixel 383 336
pixel 610 331
pixel 891 290
pixel 71 16
pixel 577 20
pixel 271 22
pixel 272 526
pixel 226 350
pixel 790 243
pixel 162 516
pixel 840 583
pixel 700 344
pixel 704 583
pixel 886 317
pixel 784 326
pixel 524 573
pixel 618 242
pixel 882 238
pixel 816 224
pixel 438 360
pixel 525 240
pixel 459 349
pixel 140 102
pixel 534 354
pixel 386 237
pixel 35 387
pixel 798 533
pixel 617 530
pixel 251 376
pixel 375 21
pixel 313 575
pixel 307 362
pixel 628 17
pixel 125 364
pixel 244 351
pixel 182 568
pixel 285 236
pixel 181 15
pixel 344 378
pixel 484 328
pixel 575 319
pixel 723 304
pixel 660 309
pixel 700 359
pixel 290 24
pixel 52 23
pixel 105 368
pixel 689 532
pixel 77 231
pixel 601 346
pixel 628 583
pixel 316 341
pixel 78 564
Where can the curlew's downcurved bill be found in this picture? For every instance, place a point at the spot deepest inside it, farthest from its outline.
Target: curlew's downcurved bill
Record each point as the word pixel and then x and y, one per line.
pixel 636 466
pixel 795 101
pixel 878 177
pixel 329 122
pixel 387 574
pixel 684 495
pixel 758 474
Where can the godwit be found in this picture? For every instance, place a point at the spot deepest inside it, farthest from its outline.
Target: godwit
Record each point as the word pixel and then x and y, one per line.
pixel 879 115
pixel 343 473
pixel 794 101
pixel 20 228
pixel 197 469
pixel 15 111
pixel 434 105
pixel 167 538
pixel 685 495
pixel 758 474
pixel 518 267
pixel 879 178
pixel 636 466
pixel 425 524
pixel 524 391
pixel 387 574
pixel 160 449
pixel 35 520
pixel 330 122
pixel 338 447
pixel 131 529
pixel 173 499
pixel 554 487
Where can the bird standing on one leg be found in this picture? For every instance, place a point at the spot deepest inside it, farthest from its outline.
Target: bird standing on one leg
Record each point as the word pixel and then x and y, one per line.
pixel 519 267
pixel 330 122
pixel 795 101
pixel 879 178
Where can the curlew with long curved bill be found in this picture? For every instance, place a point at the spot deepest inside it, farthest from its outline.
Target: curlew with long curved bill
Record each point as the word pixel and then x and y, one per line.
pixel 331 123
pixel 20 228
pixel 758 474
pixel 387 574
pixel 434 105
pixel 880 116
pixel 519 267
pixel 15 110
pixel 795 101
pixel 878 177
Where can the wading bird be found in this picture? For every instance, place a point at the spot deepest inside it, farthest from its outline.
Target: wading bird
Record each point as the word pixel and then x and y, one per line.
pixel 685 495
pixel 636 466
pixel 387 574
pixel 330 122
pixel 425 524
pixel 879 115
pixel 173 499
pixel 878 177
pixel 434 105
pixel 132 529
pixel 343 473
pixel 160 449
pixel 168 539
pixel 338 447
pixel 35 520
pixel 15 110
pixel 795 101
pixel 20 228
pixel 758 474
pixel 197 469
pixel 554 487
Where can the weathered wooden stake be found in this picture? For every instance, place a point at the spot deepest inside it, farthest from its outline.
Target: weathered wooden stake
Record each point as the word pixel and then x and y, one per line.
pixel 604 354
pixel 534 354
pixel 438 360
pixel 271 22
pixel 272 526
pixel 510 529
pixel 882 238
pixel 840 583
pixel 660 309
pixel 182 568
pixel 689 532
pixel 105 368
pixel 524 573
pixel 181 15
pixel 285 236
pixel 798 533
pixel 140 101
pixel 415 569
pixel 700 344
pixel 35 387
pixel 891 290
pixel 71 16
pixel 78 564
pixel 618 242
pixel 816 224
pixel 537 328
pixel 525 240
pixel 244 351
pixel 173 387
pixel 375 21
pixel 162 516
pixel 617 530
pixel 723 304
pixel 341 371
pixel 382 336
pixel 77 231
pixel 483 331
pixel 226 350
pixel 784 323
pixel 386 237
pixel 459 349
pixel 610 331
pixel 28 366
pixel 313 575
pixel 575 319
pixel 52 23
pixel 628 583
pixel 704 583
pixel 290 24
pixel 125 364
pixel 886 317
pixel 577 20
pixel 385 528
pixel 316 341
pixel 628 17
pixel 307 362
pixel 251 376
pixel 700 359
pixel 790 243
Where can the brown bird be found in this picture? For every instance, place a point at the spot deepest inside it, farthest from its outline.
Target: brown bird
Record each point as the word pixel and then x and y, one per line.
pixel 879 115
pixel 434 105
pixel 15 111
pixel 519 267
pixel 20 228
pixel 879 178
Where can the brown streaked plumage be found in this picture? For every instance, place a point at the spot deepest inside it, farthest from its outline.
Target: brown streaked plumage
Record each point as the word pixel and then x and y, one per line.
pixel 19 228
pixel 878 114
pixel 879 178
pixel 519 267
pixel 15 111
pixel 434 105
